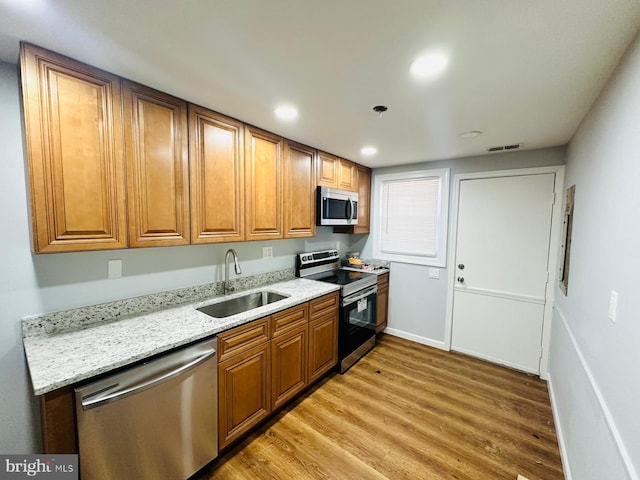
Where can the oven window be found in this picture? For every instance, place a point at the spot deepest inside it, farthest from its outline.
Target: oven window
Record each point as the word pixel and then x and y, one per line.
pixel 358 324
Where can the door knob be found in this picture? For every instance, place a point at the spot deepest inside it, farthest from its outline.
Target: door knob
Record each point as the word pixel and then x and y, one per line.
pixel 461 266
pixel 461 279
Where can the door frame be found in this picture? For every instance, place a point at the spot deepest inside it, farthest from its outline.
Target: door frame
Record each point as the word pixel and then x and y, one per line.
pixel 554 250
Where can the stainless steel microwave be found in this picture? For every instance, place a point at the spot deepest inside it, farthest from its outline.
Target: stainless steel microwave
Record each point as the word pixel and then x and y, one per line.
pixel 336 207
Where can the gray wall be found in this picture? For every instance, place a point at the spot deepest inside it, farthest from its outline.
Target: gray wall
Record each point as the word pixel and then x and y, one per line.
pixel 595 364
pixel 31 284
pixel 417 303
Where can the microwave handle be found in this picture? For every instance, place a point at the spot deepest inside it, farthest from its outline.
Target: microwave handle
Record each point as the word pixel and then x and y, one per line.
pixel 349 210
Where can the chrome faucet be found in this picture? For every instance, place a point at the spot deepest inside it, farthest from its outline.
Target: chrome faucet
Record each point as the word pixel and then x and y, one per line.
pixel 227 287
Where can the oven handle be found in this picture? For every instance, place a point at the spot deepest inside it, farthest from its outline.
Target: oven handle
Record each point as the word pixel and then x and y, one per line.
pixel 349 300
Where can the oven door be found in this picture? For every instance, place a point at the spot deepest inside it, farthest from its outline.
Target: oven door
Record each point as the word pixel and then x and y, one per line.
pixel 357 325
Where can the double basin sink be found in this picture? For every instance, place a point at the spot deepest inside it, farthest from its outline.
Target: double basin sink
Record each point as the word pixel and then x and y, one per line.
pixel 247 302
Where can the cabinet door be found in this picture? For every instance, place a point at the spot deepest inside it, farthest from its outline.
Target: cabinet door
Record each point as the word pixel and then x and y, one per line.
pixel 288 365
pixel 244 392
pixel 327 170
pixel 347 175
pixel 263 165
pixel 299 191
pixel 364 200
pixel 217 177
pixel 323 345
pixel 157 167
pixel 73 119
pixel 382 305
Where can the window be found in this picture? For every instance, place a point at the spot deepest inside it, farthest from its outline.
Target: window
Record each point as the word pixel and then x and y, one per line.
pixel 410 217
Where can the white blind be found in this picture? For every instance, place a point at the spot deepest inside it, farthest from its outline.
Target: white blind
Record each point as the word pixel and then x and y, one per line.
pixel 409 216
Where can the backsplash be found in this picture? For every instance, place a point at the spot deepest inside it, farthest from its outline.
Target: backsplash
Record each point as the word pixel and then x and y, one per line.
pixel 83 317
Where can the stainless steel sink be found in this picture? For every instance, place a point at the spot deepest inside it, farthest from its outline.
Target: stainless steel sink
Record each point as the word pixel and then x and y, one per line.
pixel 236 305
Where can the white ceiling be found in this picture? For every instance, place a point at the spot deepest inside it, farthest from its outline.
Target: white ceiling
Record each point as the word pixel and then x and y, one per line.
pixel 519 70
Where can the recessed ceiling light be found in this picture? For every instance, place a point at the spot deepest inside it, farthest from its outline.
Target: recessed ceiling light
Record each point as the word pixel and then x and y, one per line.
pixel 429 65
pixel 470 134
pixel 286 112
pixel 368 151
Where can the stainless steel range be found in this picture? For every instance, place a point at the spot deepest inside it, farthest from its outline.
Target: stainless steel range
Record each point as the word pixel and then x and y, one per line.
pixel 357 327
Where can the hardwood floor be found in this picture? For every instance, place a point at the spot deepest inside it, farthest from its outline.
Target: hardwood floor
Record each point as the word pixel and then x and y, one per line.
pixel 406 411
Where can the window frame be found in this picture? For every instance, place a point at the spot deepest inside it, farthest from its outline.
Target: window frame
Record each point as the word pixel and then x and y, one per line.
pixel 440 259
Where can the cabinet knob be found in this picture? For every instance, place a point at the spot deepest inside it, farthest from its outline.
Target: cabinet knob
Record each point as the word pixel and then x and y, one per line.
pixel 461 266
pixel 461 279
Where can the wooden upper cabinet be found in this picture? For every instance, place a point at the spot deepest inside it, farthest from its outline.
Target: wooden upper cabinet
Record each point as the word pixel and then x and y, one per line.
pixel 364 200
pixel 263 184
pixel 347 175
pixel 336 172
pixel 217 177
pixel 75 150
pixel 327 170
pixel 157 167
pixel 299 191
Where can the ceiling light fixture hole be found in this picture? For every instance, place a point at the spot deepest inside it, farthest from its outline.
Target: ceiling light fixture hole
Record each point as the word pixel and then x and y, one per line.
pixel 380 109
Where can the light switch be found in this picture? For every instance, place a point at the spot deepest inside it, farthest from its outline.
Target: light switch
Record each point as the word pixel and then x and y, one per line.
pixel 114 268
pixel 613 306
pixel 434 273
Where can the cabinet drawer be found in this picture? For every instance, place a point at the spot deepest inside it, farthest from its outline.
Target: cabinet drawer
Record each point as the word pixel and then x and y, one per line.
pixel 240 339
pixel 383 280
pixel 288 319
pixel 320 306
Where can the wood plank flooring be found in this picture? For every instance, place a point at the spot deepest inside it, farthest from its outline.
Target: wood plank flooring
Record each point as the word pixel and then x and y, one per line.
pixel 406 411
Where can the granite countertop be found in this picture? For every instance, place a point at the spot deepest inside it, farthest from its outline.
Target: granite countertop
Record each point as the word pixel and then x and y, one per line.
pixel 66 357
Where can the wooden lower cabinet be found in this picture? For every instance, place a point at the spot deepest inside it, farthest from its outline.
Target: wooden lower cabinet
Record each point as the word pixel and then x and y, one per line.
pixel 243 393
pixel 261 365
pixel 296 347
pixel 323 345
pixel 58 421
pixel 382 299
pixel 288 365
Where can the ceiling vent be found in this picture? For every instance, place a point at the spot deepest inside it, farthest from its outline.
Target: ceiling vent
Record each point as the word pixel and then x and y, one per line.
pixel 502 148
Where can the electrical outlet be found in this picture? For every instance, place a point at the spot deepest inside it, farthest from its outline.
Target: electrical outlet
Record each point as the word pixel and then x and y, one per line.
pixel 613 306
pixel 114 268
pixel 267 252
pixel 434 273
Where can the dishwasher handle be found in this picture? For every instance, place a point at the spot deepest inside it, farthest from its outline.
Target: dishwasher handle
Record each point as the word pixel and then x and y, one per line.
pixel 118 391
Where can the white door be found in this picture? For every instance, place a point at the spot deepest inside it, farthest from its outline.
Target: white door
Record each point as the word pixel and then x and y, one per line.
pixel 501 261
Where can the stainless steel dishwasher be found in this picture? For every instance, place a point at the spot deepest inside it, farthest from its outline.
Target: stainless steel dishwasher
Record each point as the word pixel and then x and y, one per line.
pixel 153 421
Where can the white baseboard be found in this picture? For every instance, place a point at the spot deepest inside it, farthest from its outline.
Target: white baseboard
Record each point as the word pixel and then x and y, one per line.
pixel 559 432
pixel 606 413
pixel 415 338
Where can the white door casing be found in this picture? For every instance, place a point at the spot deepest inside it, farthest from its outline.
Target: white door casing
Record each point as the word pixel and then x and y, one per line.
pixel 505 233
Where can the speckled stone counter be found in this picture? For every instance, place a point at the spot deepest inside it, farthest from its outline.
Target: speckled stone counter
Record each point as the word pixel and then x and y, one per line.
pixel 62 352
